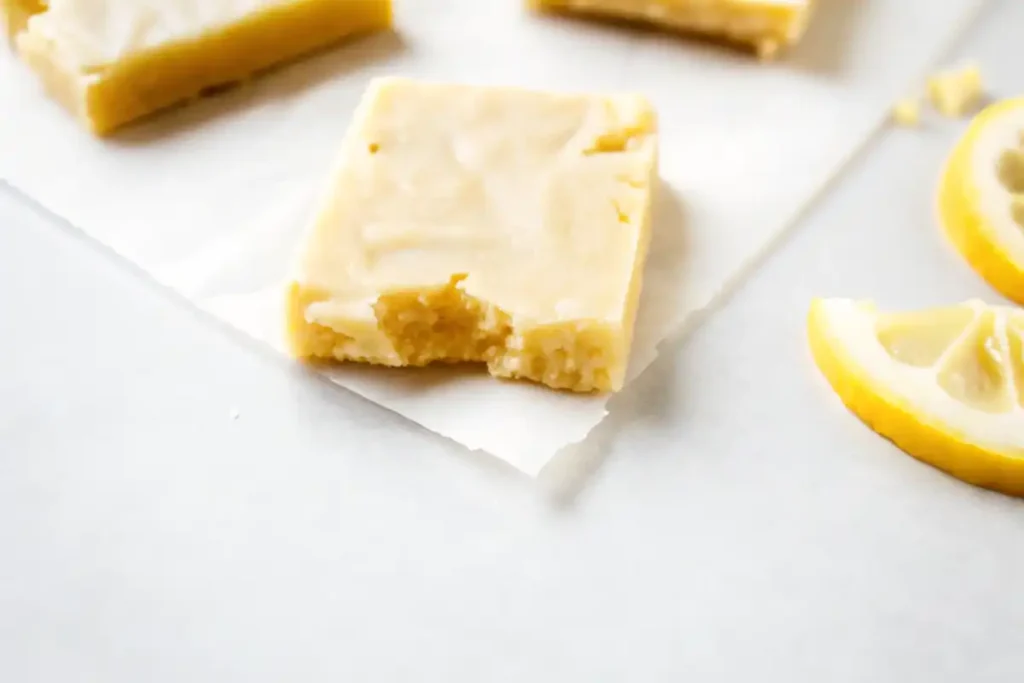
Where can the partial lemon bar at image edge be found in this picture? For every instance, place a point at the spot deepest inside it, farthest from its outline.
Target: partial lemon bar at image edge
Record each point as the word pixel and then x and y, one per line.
pixel 764 25
pixel 981 197
pixel 113 62
pixel 945 385
pixel 14 14
pixel 486 225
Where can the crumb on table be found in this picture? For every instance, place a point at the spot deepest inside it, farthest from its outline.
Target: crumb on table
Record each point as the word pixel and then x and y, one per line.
pixel 958 92
pixel 907 112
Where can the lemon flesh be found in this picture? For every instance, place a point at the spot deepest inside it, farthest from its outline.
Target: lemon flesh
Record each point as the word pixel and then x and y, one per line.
pixel 945 385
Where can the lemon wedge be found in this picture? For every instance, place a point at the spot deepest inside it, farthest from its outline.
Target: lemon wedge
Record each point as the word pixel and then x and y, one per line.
pixel 981 197
pixel 945 385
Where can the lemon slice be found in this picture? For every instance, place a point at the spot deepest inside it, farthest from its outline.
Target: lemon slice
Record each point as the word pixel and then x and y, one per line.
pixel 945 385
pixel 981 197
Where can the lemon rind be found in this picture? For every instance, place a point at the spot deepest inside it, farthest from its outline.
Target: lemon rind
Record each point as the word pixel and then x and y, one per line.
pixel 960 212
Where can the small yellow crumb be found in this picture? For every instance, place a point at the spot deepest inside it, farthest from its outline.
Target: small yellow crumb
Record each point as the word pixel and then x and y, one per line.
pixel 956 92
pixel 907 112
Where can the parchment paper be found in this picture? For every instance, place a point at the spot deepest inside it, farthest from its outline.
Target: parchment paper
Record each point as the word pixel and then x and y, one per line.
pixel 210 199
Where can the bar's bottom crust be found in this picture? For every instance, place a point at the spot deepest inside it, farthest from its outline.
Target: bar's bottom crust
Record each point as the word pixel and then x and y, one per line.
pixel 153 80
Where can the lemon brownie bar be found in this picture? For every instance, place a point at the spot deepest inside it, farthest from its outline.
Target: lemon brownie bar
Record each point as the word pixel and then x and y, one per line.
pixel 113 61
pixel 482 224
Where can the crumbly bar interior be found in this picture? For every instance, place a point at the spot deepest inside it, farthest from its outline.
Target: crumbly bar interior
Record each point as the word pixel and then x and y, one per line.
pixel 449 326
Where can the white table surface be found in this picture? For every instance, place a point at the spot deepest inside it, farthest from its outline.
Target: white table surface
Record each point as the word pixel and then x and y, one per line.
pixel 177 504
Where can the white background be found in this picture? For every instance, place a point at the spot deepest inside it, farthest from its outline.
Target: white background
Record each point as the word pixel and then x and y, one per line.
pixel 179 504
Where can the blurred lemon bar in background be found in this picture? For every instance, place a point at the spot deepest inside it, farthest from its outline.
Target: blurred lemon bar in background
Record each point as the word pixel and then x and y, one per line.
pixel 114 61
pixel 765 25
pixel 489 225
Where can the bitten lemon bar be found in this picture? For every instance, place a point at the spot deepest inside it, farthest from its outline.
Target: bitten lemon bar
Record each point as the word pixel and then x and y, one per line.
pixel 113 61
pixel 766 25
pixel 482 224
